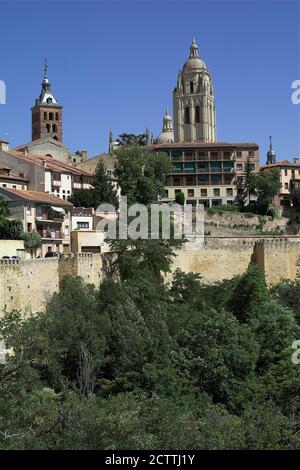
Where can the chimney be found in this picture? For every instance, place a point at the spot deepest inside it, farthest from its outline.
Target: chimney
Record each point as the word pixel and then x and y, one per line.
pixel 4 145
pixel 84 155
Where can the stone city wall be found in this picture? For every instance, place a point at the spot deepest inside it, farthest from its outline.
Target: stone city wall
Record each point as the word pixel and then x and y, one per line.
pixel 28 284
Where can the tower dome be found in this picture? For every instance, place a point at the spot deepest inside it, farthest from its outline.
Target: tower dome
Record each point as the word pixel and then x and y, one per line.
pixel 167 134
pixel 194 62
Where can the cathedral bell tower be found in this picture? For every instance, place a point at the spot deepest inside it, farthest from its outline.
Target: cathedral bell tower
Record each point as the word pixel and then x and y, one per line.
pixel 194 102
pixel 46 113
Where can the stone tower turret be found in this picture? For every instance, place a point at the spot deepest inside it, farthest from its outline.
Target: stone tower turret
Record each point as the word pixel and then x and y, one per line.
pixel 46 113
pixel 194 102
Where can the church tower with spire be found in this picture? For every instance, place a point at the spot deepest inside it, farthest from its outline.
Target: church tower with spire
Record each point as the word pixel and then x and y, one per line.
pixel 46 113
pixel 194 102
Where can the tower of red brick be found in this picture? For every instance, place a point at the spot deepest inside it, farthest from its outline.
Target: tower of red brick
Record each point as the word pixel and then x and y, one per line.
pixel 46 113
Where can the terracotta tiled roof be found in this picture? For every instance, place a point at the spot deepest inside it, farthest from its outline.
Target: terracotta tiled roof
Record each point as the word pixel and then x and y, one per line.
pixel 91 163
pixel 37 196
pixel 51 163
pixel 281 164
pixel 11 176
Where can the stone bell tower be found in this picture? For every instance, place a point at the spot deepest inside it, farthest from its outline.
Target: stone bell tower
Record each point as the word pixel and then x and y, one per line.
pixel 46 113
pixel 194 102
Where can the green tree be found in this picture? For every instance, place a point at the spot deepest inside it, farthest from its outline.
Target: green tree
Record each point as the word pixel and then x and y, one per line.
pixel 267 186
pixel 82 198
pixel 32 241
pixel 132 139
pixel 249 182
pixel 179 198
pixel 103 191
pixel 9 229
pixel 141 175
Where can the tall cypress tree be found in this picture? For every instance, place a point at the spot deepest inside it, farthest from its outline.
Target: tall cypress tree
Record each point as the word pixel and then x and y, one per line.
pixel 104 191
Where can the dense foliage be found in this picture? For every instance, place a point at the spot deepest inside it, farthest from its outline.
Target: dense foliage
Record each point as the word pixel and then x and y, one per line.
pixel 263 185
pixel 9 229
pixel 141 174
pixel 103 191
pixel 142 364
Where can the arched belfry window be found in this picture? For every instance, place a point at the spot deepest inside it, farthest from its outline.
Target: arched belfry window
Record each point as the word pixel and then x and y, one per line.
pixel 54 128
pixel 51 116
pixel 45 116
pixel 48 127
pixel 192 87
pixel 187 119
pixel 56 117
pixel 197 114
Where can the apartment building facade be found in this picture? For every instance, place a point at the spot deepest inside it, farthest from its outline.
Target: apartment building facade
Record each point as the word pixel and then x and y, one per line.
pixel 207 173
pixel 45 174
pixel 289 178
pixel 43 213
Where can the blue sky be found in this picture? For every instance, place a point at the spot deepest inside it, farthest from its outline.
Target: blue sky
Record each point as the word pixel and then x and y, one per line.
pixel 114 64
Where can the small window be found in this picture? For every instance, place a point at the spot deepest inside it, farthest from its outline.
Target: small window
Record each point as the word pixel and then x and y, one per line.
pixel 54 128
pixel 238 153
pixel 197 114
pixel 48 127
pixel 251 153
pixel 286 185
pixel 229 192
pixel 45 116
pixel 190 193
pixel 285 172
pixel 203 192
pixel 216 192
pixel 191 87
pixel 49 100
pixel 56 116
pixel 239 166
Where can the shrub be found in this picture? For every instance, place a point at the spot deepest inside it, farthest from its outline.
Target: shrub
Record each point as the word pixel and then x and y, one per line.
pixel 180 198
pixel 272 212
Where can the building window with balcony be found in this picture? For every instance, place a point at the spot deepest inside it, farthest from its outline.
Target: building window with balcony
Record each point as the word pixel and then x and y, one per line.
pixel 189 154
pixel 203 154
pixel 189 167
pixel 239 166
